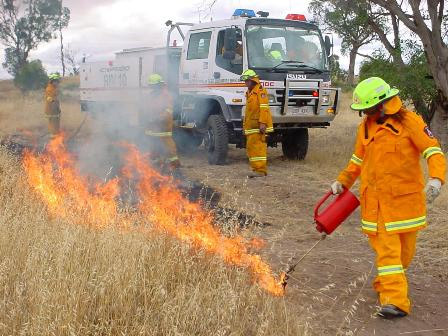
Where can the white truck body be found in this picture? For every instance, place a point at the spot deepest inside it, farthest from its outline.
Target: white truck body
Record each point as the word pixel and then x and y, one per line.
pixel 205 80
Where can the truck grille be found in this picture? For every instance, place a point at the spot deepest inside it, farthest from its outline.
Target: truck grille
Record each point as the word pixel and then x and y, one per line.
pixel 297 97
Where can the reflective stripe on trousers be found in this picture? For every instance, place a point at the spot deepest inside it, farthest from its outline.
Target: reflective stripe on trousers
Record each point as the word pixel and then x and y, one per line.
pixel 256 149
pixel 53 116
pixel 158 134
pixel 394 253
pixel 163 145
pixel 257 131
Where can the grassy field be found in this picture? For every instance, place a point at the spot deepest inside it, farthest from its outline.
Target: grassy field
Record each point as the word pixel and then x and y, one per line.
pixel 60 278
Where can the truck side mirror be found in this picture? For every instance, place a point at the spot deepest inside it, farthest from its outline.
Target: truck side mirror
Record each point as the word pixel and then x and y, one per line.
pixel 230 39
pixel 328 45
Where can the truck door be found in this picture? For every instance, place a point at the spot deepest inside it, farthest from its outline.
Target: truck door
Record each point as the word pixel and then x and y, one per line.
pixel 228 66
pixel 197 66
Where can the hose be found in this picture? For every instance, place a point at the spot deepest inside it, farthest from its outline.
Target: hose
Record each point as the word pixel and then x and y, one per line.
pixel 76 132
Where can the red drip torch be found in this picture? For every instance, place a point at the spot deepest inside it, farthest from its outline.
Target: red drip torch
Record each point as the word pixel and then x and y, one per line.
pixel 327 222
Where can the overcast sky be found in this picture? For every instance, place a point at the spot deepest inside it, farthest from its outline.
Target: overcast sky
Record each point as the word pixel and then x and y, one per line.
pixel 101 27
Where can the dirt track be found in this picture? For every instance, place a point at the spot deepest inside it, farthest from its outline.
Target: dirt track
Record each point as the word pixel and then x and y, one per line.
pixel 332 287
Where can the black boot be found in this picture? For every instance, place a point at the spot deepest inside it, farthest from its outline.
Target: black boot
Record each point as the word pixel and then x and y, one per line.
pixel 390 311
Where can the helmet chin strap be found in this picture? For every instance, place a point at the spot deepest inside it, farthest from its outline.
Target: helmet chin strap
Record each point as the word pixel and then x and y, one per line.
pixel 383 117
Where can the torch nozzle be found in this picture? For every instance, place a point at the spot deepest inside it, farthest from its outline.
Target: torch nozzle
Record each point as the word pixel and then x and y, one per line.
pixel 284 276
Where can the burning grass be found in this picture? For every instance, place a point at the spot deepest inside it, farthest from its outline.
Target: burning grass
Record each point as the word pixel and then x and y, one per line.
pixel 54 177
pixel 60 277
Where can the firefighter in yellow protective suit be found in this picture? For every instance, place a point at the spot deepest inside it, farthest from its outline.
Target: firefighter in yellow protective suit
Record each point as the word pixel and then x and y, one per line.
pixel 52 105
pixel 158 120
pixel 257 123
pixel 388 148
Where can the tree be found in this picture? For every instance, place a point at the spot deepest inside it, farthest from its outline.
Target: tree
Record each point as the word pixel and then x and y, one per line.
pixel 338 74
pixel 63 20
pixel 427 20
pixel 412 79
pixel 32 76
pixel 389 30
pixel 70 59
pixel 348 19
pixel 24 24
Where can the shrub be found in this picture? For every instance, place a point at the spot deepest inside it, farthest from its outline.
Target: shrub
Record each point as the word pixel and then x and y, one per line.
pixel 32 76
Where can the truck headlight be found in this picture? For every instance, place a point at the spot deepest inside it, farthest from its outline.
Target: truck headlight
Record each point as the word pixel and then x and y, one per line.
pixel 271 99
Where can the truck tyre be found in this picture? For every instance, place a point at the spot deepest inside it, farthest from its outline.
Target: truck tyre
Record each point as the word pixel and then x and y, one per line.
pixel 295 144
pixel 216 140
pixel 187 142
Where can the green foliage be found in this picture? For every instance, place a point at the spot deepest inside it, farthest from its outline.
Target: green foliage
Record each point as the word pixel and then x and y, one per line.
pixel 24 24
pixel 338 75
pixel 414 82
pixel 346 18
pixel 32 76
pixel 13 60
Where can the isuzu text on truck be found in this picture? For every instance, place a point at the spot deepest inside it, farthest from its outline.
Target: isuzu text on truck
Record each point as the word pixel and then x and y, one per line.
pixel 290 56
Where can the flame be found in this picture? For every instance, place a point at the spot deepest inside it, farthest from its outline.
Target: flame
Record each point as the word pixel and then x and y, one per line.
pixel 165 207
pixel 66 192
pixel 55 178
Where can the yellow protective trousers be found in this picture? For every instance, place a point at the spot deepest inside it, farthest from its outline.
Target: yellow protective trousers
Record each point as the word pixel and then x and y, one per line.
pixel 53 114
pixel 257 152
pixel 54 124
pixel 394 253
pixel 164 147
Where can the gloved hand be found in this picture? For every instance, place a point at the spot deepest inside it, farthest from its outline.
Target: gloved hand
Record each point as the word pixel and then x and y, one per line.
pixel 432 189
pixel 263 128
pixel 337 188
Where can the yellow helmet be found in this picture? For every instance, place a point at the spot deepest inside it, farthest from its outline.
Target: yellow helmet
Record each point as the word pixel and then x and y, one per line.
pixel 54 76
pixel 371 92
pixel 248 74
pixel 155 79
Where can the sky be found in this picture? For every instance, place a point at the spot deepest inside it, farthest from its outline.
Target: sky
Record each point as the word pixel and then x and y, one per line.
pixel 101 27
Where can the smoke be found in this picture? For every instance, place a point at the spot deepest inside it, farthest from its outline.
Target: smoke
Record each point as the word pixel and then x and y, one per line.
pixel 111 125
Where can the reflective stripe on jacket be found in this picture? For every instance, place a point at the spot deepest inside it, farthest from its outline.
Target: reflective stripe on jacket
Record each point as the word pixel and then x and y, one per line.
pixel 387 156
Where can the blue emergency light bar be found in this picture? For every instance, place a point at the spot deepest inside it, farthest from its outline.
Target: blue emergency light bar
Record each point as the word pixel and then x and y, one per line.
pixel 244 13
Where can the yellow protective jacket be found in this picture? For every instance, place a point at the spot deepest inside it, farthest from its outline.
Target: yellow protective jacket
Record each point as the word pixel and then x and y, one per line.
pixel 52 106
pixel 387 156
pixel 257 110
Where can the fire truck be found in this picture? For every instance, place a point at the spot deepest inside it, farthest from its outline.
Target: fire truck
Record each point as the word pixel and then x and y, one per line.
pixel 290 55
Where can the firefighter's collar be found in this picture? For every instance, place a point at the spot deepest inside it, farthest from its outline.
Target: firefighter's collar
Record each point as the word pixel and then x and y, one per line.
pixel 392 125
pixel 255 90
pixel 371 127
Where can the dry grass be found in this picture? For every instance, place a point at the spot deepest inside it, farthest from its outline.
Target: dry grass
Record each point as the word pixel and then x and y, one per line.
pixel 20 113
pixel 57 278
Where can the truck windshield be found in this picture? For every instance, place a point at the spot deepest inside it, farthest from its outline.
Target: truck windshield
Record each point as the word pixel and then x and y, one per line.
pixel 285 48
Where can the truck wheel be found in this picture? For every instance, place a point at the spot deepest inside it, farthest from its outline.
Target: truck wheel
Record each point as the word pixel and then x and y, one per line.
pixel 295 144
pixel 216 140
pixel 187 142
